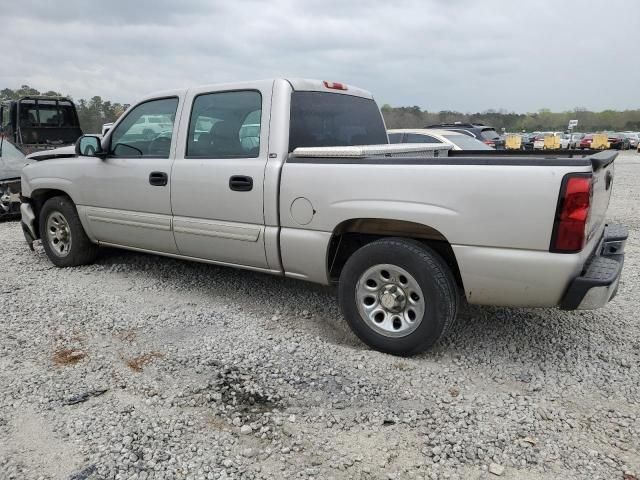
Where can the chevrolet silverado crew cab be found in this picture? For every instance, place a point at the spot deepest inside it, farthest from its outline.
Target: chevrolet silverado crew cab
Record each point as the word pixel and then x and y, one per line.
pixel 296 178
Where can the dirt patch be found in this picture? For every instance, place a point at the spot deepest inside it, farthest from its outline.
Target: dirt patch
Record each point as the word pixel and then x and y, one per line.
pixel 68 356
pixel 138 363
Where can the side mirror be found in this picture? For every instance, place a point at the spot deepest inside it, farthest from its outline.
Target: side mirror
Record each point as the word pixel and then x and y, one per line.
pixel 89 146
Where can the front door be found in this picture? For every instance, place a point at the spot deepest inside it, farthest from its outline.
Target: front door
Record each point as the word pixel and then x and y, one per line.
pixel 126 196
pixel 217 179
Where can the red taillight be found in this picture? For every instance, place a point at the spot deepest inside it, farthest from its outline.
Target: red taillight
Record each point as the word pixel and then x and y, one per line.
pixel 490 143
pixel 335 85
pixel 569 230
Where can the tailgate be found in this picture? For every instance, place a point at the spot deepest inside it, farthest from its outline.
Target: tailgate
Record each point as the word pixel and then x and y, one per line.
pixel 603 174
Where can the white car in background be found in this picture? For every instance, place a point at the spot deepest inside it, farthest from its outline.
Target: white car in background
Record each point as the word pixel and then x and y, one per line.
pixel 457 140
pixel 576 138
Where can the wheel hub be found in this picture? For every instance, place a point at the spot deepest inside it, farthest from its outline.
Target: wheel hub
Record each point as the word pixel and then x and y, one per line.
pixel 393 298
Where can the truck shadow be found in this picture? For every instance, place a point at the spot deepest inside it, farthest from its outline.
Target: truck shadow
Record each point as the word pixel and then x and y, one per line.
pixel 283 303
pixel 511 334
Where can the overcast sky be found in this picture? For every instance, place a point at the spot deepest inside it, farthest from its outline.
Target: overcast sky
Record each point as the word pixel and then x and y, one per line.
pixel 464 55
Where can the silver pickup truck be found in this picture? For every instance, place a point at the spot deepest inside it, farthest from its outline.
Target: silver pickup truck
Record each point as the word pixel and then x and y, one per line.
pixel 296 178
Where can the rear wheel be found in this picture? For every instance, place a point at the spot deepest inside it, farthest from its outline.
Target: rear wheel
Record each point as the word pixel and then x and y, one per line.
pixel 63 237
pixel 398 296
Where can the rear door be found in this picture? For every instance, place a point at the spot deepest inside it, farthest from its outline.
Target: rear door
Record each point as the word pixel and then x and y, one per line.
pixel 217 178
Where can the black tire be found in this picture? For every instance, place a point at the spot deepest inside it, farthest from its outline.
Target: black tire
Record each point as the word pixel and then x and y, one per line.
pixel 432 275
pixel 81 250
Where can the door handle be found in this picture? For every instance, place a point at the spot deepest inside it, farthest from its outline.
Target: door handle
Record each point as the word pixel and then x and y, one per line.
pixel 241 183
pixel 158 179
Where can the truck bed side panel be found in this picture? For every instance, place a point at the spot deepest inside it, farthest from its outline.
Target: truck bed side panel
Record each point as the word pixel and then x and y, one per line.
pixel 488 212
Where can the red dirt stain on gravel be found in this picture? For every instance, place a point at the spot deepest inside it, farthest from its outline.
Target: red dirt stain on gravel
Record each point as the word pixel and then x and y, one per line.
pixel 68 356
pixel 138 363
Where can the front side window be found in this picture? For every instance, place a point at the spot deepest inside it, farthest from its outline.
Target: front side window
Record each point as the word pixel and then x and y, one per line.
pixel 137 136
pixel 225 125
pixel 419 138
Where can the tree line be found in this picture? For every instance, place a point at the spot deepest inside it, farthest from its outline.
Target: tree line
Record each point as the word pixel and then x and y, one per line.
pixel 92 113
pixel 95 111
pixel 543 120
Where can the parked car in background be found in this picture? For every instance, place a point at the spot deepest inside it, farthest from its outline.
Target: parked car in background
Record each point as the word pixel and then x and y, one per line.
pixel 106 127
pixel 633 139
pixel 576 138
pixel 566 141
pixel 484 133
pixel 30 124
pixel 149 126
pixel 527 141
pixel 457 140
pixel 618 141
pixel 586 141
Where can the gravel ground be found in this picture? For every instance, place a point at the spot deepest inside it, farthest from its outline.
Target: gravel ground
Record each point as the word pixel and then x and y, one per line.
pixel 145 367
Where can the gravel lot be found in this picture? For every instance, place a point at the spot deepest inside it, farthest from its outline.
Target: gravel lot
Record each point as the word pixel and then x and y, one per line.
pixel 145 367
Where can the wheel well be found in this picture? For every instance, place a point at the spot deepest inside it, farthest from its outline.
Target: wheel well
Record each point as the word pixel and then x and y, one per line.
pixel 350 235
pixel 38 198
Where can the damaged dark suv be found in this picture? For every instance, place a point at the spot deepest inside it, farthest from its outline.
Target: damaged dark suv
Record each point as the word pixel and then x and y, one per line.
pixel 29 125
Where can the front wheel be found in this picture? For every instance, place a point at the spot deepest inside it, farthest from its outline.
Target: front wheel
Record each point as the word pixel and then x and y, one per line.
pixel 63 237
pixel 398 296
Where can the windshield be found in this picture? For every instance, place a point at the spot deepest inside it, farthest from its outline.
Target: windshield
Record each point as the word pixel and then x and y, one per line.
pixel 467 143
pixel 322 119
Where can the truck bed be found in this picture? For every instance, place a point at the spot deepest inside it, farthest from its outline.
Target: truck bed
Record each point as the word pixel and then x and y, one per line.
pixel 496 209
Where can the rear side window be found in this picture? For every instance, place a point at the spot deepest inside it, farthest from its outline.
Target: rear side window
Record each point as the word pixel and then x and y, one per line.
pixel 323 119
pixel 225 125
pixel 418 138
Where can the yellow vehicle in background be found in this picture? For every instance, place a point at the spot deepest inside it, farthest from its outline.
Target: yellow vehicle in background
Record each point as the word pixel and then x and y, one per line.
pixel 600 141
pixel 513 142
pixel 551 142
pixel 548 141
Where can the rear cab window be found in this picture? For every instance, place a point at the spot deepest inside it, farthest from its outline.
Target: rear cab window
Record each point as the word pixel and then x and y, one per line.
pixel 324 119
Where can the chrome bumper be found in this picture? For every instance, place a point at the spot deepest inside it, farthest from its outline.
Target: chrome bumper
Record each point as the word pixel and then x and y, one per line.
pixel 598 283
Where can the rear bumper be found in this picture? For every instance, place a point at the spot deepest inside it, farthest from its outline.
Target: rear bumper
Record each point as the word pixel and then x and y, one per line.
pixel 598 282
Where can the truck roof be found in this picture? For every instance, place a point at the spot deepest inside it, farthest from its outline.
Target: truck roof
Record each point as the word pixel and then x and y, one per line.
pixel 298 84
